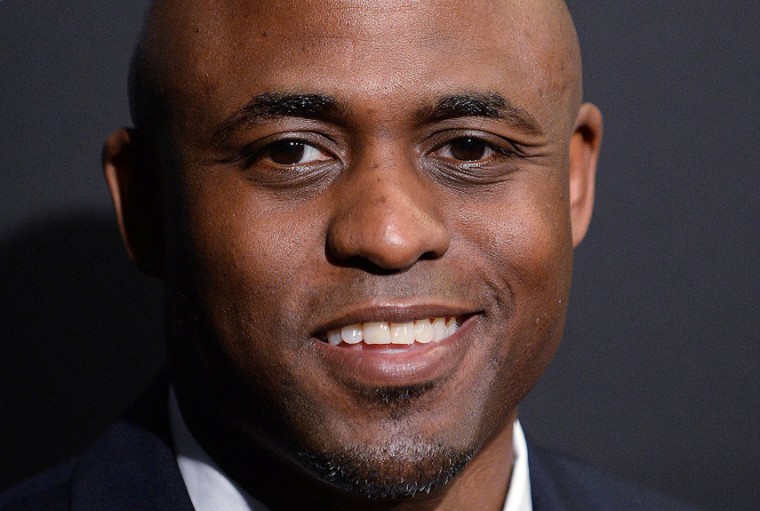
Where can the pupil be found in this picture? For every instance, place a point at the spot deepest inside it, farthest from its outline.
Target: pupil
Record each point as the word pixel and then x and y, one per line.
pixel 287 152
pixel 468 149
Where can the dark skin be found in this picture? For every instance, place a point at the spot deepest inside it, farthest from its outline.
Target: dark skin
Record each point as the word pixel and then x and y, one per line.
pixel 327 163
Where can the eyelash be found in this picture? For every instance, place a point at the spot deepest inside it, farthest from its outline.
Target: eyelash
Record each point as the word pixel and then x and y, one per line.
pixel 496 149
pixel 255 153
pixel 502 149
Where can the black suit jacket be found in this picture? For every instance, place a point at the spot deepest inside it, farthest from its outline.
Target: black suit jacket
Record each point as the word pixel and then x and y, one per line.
pixel 133 467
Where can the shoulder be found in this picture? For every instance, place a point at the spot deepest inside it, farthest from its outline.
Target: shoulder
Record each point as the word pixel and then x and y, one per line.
pixel 131 466
pixel 559 482
pixel 47 491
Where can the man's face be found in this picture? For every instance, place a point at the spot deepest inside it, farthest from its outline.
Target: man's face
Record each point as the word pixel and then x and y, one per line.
pixel 353 166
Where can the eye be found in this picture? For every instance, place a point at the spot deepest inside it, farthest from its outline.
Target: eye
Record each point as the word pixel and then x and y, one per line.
pixel 293 152
pixel 466 149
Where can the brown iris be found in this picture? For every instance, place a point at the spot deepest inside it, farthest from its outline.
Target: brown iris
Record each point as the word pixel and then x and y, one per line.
pixel 467 149
pixel 286 152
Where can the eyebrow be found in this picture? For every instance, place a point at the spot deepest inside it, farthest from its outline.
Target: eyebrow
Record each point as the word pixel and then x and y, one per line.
pixel 270 106
pixel 490 105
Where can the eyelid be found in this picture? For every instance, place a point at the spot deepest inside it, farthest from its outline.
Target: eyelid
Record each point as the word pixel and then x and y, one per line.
pixel 499 144
pixel 252 162
pixel 308 149
pixel 253 152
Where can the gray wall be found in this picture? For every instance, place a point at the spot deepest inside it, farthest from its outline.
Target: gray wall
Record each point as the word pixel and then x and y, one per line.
pixel 658 379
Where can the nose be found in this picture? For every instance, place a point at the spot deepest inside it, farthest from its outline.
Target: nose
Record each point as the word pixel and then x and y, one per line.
pixel 387 214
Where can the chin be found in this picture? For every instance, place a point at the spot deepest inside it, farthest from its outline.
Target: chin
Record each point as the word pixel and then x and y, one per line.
pixel 396 469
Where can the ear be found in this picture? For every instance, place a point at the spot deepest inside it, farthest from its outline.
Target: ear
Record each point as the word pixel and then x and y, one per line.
pixel 134 182
pixel 584 154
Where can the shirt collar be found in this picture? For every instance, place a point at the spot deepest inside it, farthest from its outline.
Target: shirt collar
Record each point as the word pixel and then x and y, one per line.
pixel 518 496
pixel 210 489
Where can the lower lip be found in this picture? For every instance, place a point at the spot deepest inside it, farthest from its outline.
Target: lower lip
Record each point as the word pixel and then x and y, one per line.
pixel 396 365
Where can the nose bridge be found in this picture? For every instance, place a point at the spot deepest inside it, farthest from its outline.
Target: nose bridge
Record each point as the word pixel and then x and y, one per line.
pixel 387 213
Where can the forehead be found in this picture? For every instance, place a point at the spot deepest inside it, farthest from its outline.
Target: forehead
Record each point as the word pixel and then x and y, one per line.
pixel 222 53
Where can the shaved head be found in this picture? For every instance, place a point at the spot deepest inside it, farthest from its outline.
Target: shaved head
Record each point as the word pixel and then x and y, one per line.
pixel 159 57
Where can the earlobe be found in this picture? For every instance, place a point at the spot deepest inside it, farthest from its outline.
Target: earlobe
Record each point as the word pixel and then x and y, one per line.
pixel 584 154
pixel 136 196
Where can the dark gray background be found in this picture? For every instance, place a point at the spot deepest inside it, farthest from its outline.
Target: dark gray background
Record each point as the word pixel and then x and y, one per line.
pixel 658 379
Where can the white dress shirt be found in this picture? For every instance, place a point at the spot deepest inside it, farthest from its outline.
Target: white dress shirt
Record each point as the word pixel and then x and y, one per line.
pixel 211 490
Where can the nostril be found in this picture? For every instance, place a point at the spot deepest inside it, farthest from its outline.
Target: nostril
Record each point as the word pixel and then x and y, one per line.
pixel 389 251
pixel 363 264
pixel 431 255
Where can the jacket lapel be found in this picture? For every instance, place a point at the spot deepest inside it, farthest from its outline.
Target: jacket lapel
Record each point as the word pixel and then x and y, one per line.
pixel 545 494
pixel 133 466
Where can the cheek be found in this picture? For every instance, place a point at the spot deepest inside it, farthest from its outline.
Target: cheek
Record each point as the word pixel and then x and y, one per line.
pixel 523 235
pixel 524 244
pixel 539 270
pixel 241 300
pixel 241 263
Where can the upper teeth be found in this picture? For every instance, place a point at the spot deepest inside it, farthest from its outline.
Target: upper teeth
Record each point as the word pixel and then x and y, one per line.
pixel 383 332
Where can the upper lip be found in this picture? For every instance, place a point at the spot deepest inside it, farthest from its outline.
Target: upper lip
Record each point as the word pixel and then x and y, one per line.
pixel 394 312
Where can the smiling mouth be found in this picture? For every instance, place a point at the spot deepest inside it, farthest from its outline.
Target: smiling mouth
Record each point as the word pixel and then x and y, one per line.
pixel 383 333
